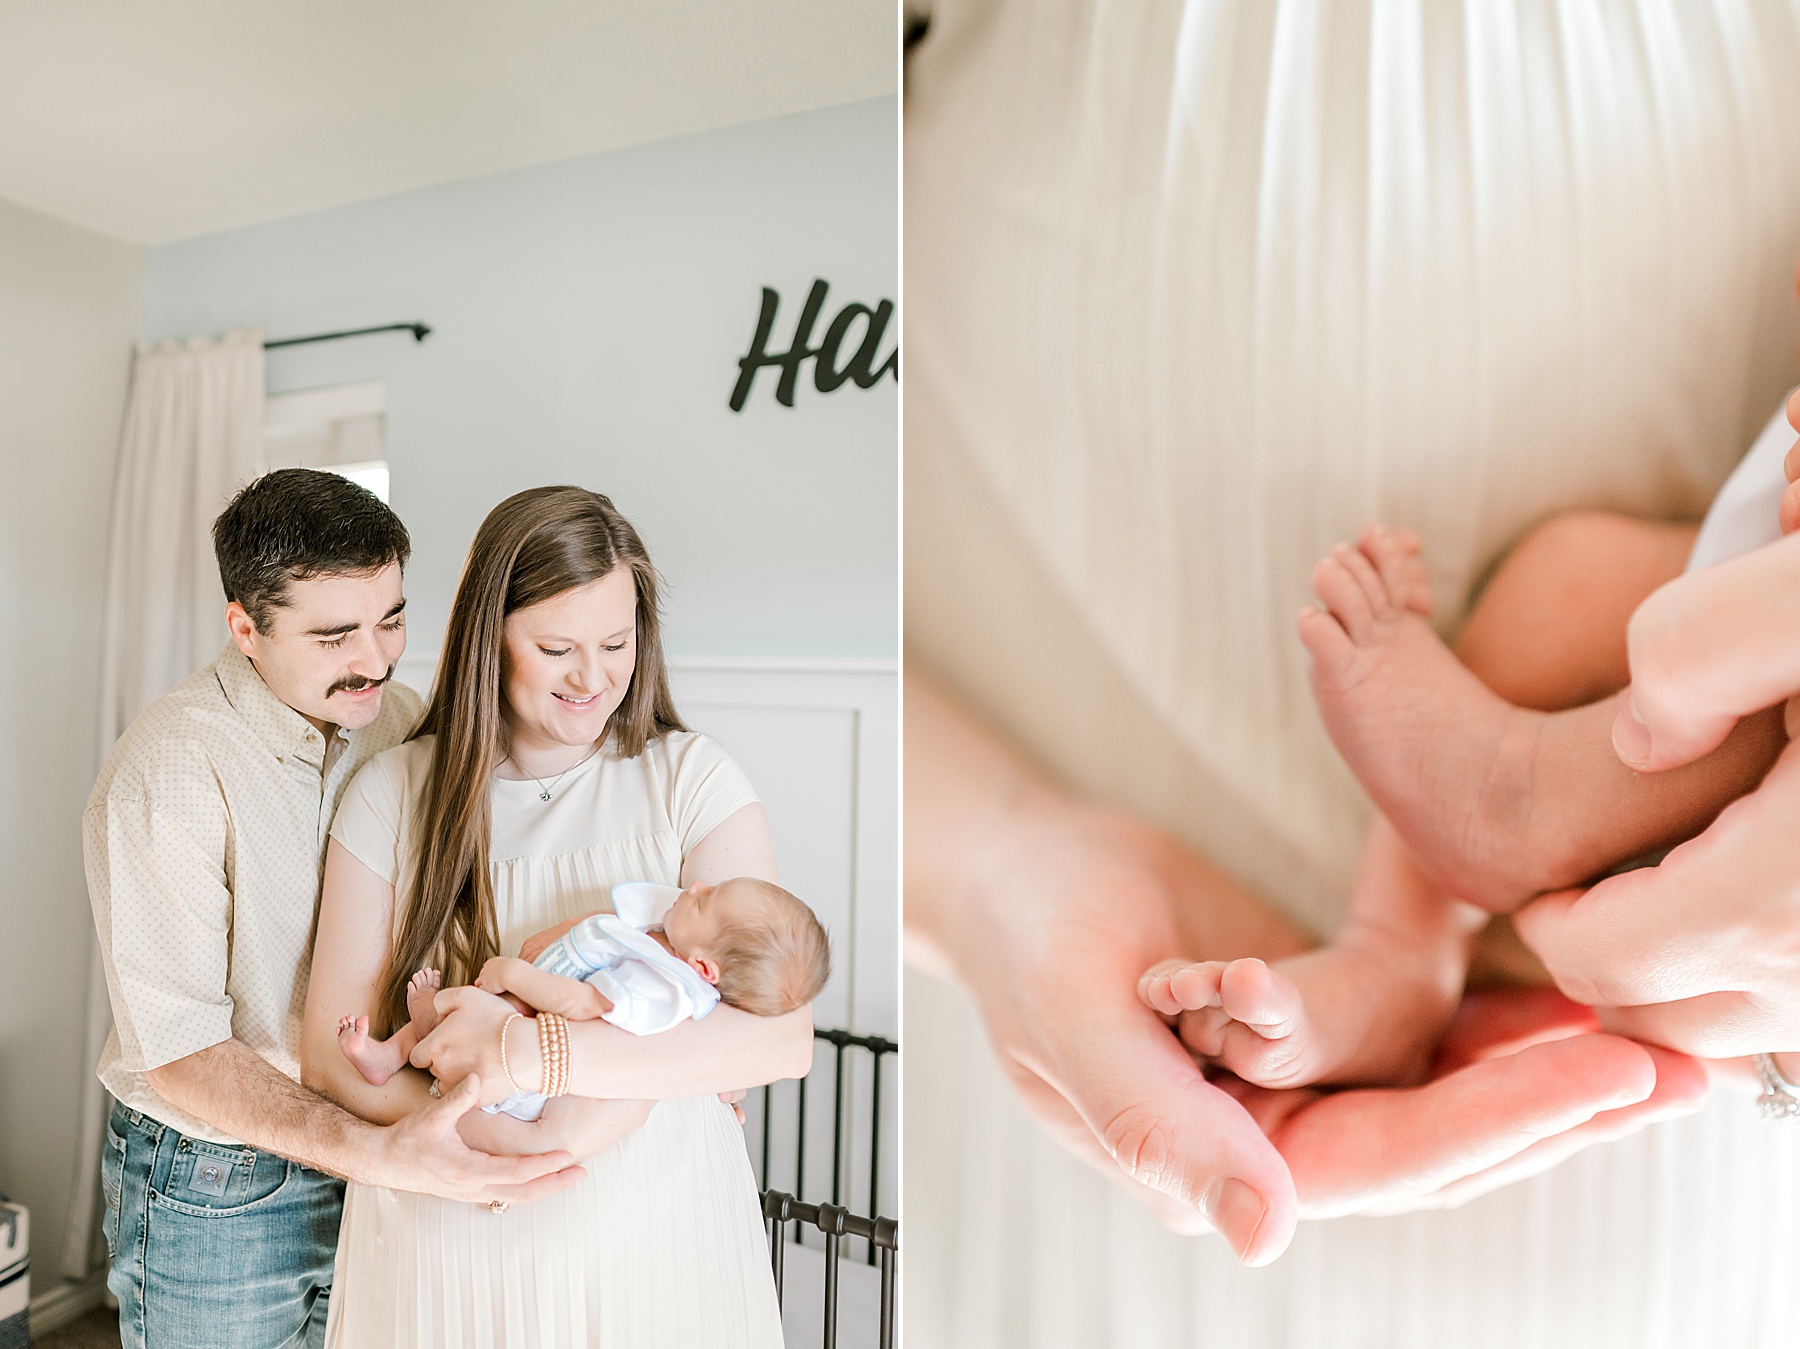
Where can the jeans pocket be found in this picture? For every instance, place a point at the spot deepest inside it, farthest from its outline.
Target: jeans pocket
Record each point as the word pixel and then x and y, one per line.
pixel 210 1180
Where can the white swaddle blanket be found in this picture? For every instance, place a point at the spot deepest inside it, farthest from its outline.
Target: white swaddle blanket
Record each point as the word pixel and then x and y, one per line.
pixel 1747 512
pixel 650 990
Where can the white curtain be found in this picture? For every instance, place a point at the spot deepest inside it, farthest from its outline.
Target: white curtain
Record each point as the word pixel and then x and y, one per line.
pixel 193 436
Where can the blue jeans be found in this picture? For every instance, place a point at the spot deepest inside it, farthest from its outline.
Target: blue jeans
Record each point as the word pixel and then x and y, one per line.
pixel 215 1247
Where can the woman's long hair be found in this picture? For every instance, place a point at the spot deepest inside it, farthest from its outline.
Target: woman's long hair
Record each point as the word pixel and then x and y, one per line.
pixel 532 547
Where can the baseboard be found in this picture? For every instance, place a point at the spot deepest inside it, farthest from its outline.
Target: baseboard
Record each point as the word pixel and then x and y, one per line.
pixel 69 1301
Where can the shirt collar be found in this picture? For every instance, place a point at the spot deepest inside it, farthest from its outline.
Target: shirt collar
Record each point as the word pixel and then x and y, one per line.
pixel 283 730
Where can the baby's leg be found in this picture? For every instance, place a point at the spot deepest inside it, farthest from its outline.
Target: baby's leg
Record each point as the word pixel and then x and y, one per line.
pixel 1547 630
pixel 1370 1007
pixel 583 1126
pixel 1497 802
pixel 378 1060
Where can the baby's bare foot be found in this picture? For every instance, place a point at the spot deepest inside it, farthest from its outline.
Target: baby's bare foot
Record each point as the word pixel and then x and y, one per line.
pixel 1338 1016
pixel 1445 759
pixel 421 1000
pixel 369 1056
pixel 1241 1013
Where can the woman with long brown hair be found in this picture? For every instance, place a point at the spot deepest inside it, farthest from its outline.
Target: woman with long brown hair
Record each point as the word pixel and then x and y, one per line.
pixel 550 765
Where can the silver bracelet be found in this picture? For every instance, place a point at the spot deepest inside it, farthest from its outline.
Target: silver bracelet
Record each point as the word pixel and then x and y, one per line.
pixel 1780 1099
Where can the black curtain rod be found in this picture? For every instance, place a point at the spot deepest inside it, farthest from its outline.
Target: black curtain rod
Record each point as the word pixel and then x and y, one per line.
pixel 419 331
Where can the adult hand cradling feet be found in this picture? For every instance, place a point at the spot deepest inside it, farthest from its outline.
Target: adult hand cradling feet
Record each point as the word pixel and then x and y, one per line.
pixel 1715 645
pixel 1708 649
pixel 1700 951
pixel 1048 912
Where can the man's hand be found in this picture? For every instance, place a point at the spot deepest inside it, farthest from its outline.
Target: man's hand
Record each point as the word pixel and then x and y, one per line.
pixel 237 1091
pixel 424 1152
pixel 1701 953
pixel 1522 1082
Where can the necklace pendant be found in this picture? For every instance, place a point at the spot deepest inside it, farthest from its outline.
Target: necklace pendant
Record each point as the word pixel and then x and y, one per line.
pixel 544 795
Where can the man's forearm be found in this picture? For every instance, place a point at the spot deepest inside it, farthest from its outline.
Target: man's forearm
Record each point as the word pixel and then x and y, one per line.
pixel 238 1092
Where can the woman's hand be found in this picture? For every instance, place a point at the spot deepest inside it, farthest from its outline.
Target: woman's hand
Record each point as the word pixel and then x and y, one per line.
pixel 1702 952
pixel 467 1040
pixel 1706 649
pixel 695 1058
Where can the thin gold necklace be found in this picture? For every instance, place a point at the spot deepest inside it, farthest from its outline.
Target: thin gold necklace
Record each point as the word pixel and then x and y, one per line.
pixel 543 791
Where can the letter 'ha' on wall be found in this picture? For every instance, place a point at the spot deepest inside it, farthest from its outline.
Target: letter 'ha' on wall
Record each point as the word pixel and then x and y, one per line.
pixel 835 361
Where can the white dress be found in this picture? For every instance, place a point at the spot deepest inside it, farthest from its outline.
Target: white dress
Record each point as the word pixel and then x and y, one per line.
pixel 1196 288
pixel 662 1243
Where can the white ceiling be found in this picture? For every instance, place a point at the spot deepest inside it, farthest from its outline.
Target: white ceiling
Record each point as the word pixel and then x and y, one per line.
pixel 153 122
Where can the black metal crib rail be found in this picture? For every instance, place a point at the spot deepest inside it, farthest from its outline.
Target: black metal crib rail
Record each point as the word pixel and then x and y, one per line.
pixel 836 1222
pixel 878 1047
pixel 833 1220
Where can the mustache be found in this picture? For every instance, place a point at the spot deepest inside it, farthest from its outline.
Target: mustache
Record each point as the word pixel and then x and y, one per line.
pixel 357 683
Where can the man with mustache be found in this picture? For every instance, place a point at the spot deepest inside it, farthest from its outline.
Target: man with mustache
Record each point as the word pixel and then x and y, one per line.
pixel 204 837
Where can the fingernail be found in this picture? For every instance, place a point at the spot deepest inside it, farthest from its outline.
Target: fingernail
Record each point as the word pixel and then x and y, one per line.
pixel 1236 1211
pixel 1631 738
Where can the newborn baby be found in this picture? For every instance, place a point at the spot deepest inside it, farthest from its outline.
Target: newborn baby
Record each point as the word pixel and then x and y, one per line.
pixel 1485 802
pixel 663 956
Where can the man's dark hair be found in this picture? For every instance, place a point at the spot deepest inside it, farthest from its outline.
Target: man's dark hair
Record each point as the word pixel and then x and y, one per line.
pixel 298 523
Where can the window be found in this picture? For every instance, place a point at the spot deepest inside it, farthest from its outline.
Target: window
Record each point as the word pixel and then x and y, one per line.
pixel 343 429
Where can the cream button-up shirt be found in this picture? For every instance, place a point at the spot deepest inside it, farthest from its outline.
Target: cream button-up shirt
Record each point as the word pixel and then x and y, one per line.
pixel 204 840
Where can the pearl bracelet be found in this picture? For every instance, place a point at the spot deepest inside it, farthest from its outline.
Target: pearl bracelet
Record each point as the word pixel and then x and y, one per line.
pixel 504 1066
pixel 553 1046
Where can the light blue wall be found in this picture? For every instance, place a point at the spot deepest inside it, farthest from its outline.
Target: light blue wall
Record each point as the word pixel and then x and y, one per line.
pixel 589 316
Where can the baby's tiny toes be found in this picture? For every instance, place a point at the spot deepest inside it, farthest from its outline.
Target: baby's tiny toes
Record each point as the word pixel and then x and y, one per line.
pixel 1153 987
pixel 1196 986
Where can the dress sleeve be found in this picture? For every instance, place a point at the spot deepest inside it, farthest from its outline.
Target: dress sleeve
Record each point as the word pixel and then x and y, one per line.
pixel 708 787
pixel 369 817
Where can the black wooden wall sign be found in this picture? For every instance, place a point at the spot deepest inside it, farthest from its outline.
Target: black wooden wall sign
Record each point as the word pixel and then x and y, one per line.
pixel 828 374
